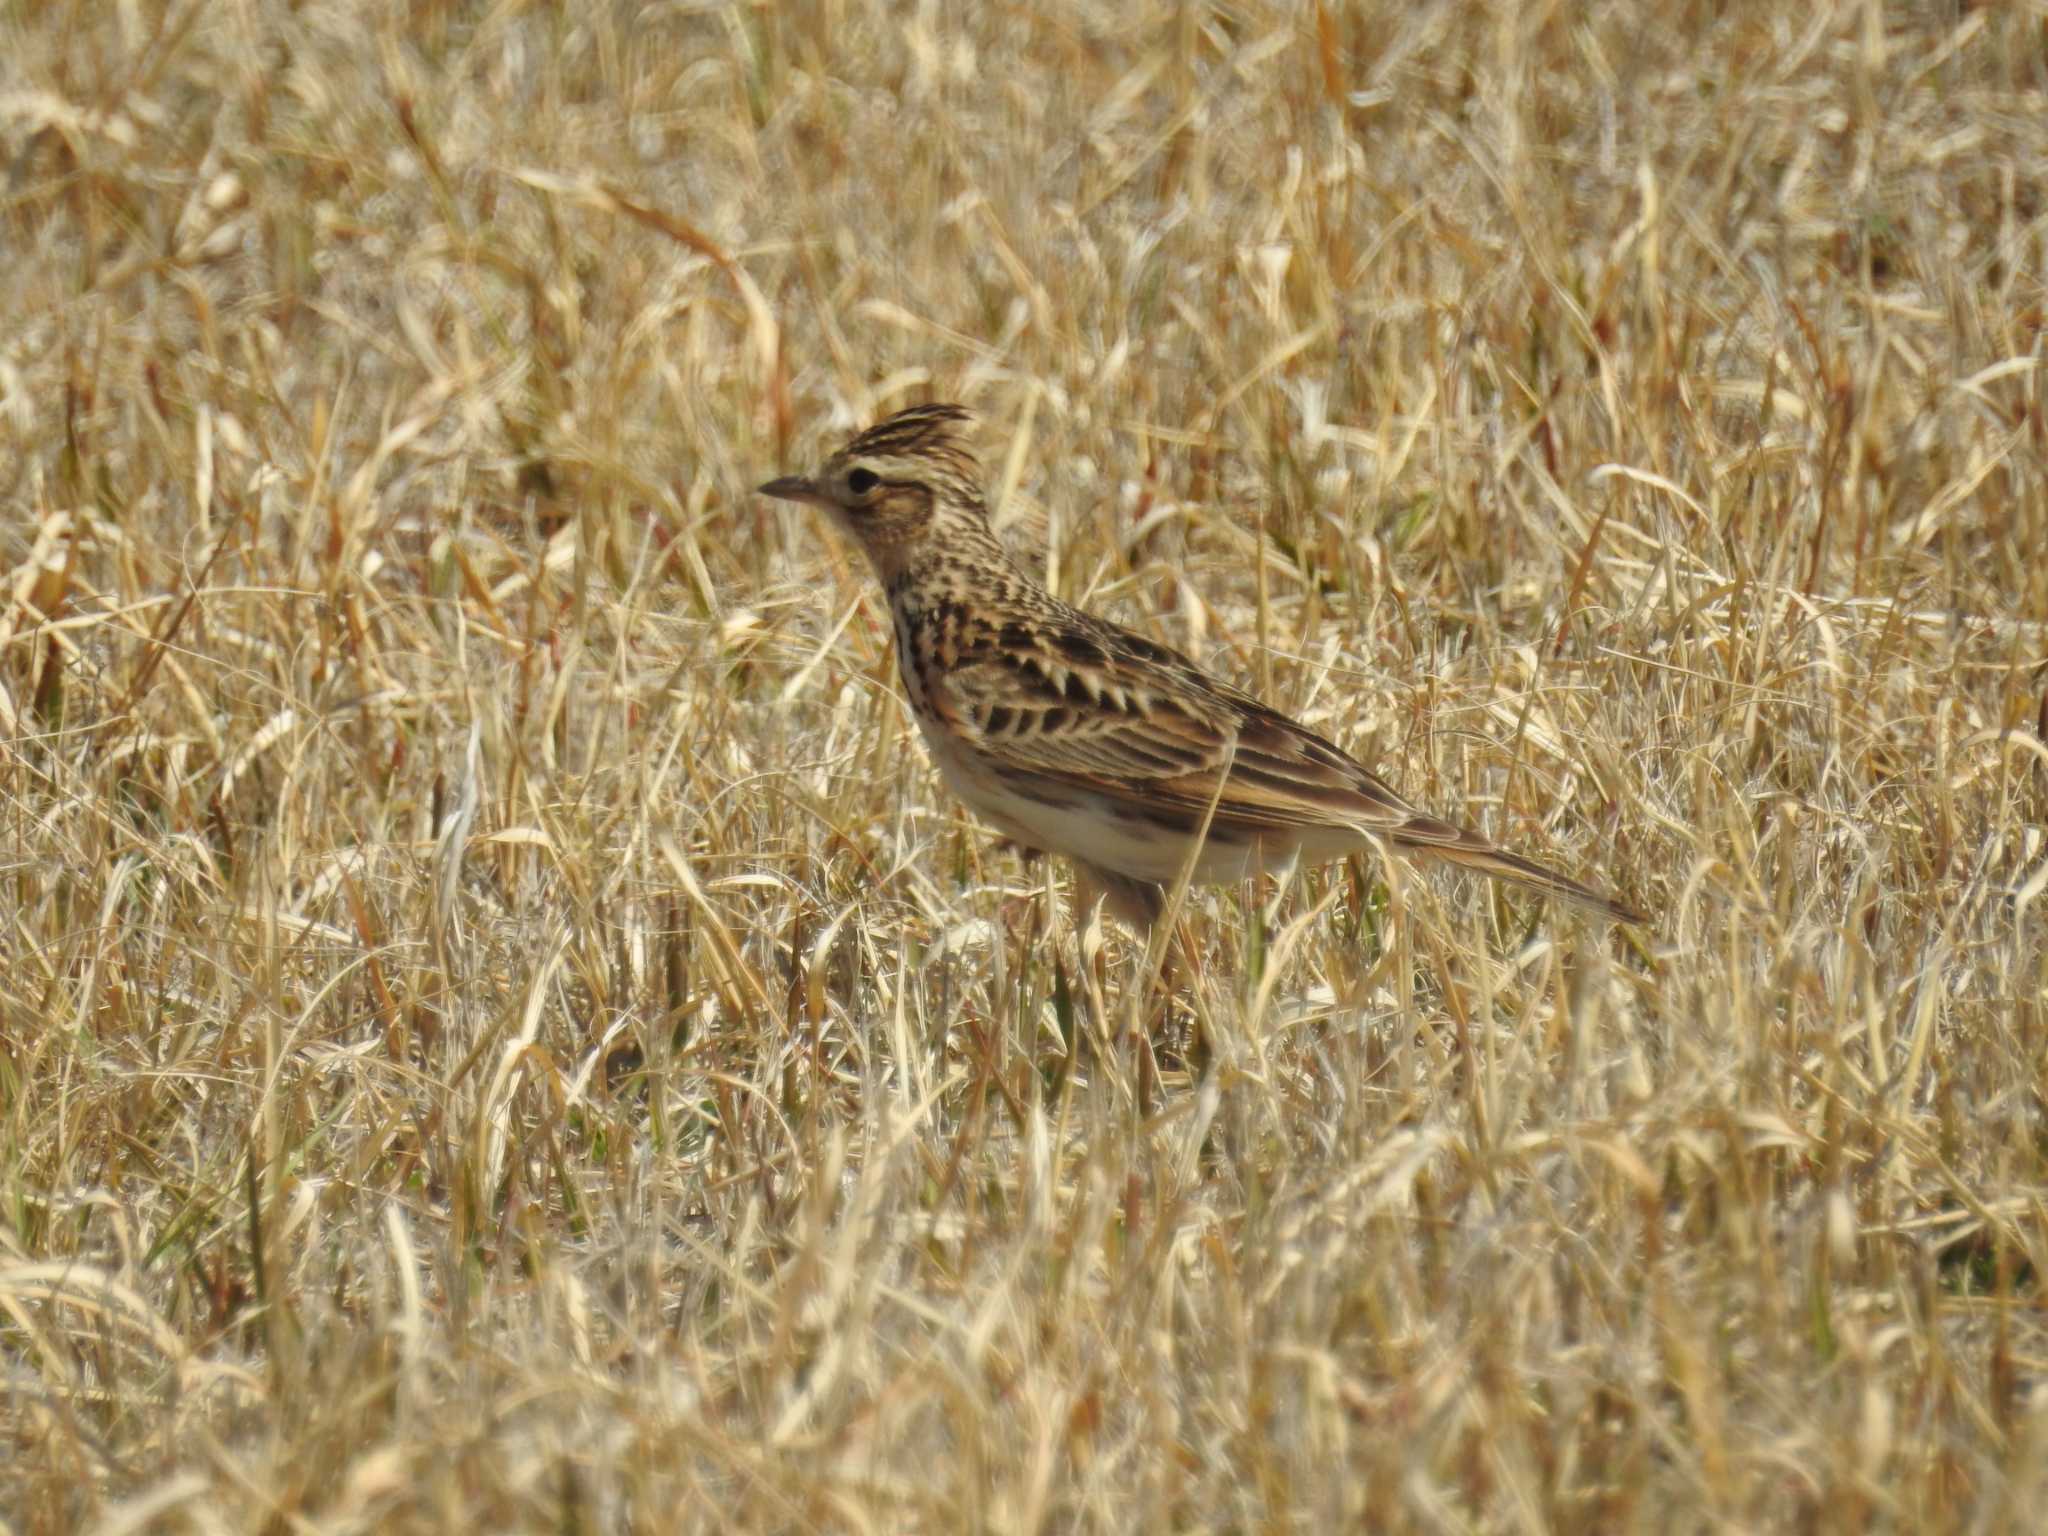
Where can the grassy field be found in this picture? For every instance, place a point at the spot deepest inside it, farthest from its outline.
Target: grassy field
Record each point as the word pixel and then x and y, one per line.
pixel 501 1029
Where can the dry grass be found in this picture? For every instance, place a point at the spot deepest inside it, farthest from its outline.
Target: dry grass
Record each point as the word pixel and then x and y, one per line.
pixel 500 1028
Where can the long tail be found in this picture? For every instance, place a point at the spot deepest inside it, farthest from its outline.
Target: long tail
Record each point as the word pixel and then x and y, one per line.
pixel 1426 838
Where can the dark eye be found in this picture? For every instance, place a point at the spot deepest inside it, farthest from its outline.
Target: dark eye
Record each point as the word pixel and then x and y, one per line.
pixel 861 481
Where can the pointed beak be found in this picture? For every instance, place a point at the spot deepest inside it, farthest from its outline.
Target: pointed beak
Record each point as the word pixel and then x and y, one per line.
pixel 794 488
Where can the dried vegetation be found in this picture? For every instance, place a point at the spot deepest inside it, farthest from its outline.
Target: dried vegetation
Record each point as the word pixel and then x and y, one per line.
pixel 499 1027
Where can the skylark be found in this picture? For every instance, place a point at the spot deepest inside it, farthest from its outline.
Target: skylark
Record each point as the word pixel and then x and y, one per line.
pixel 1076 736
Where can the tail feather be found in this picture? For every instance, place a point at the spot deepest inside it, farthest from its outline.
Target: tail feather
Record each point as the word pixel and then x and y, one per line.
pixel 1469 851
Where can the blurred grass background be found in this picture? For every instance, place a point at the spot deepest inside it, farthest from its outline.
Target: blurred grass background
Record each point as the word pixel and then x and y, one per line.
pixel 500 1027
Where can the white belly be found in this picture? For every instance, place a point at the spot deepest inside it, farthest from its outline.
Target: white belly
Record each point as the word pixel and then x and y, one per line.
pixel 1106 832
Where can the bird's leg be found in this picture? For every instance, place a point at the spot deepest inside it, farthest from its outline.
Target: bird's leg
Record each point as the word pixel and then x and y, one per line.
pixel 1142 904
pixel 1086 902
pixel 1139 904
pixel 1201 1036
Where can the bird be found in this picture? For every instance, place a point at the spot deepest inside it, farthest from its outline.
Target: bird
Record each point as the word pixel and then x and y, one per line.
pixel 1075 736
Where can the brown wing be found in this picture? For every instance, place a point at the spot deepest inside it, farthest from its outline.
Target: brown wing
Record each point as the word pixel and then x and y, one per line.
pixel 1116 714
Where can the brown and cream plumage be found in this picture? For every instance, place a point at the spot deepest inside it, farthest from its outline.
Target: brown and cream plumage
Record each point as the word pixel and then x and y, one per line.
pixel 1079 737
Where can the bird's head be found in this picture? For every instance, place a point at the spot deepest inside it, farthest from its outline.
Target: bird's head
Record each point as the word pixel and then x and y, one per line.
pixel 908 479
